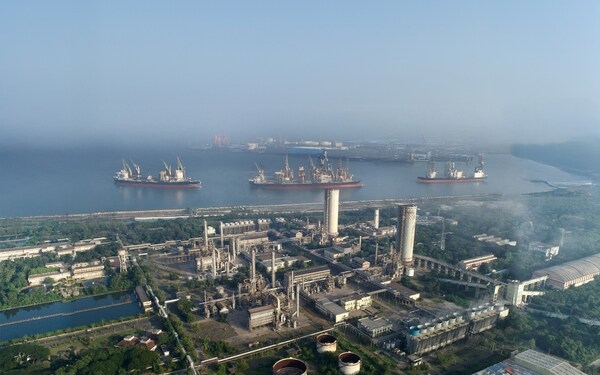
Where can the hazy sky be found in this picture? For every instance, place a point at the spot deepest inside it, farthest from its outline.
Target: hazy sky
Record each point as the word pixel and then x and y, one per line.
pixel 133 71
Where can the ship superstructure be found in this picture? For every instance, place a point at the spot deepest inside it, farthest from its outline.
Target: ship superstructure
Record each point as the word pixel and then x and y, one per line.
pixel 167 177
pixel 453 174
pixel 320 176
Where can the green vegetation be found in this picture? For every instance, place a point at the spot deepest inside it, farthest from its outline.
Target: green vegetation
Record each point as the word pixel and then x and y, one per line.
pixel 13 289
pixel 23 359
pixel 110 361
pixel 583 301
pixel 568 338
pixel 216 348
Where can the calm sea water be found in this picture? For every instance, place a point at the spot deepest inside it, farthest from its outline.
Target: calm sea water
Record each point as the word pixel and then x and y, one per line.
pixel 114 306
pixel 37 182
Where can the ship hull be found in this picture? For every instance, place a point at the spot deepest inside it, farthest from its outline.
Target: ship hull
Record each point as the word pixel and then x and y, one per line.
pixel 332 185
pixel 426 180
pixel 160 185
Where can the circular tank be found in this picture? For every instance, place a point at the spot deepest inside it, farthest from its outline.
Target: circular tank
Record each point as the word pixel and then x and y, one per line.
pixel 290 366
pixel 410 272
pixel 349 363
pixel 414 331
pixel 326 343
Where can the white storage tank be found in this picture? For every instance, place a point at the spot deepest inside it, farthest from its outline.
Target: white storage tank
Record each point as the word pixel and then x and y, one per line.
pixel 326 343
pixel 349 363
pixel 410 272
pixel 290 366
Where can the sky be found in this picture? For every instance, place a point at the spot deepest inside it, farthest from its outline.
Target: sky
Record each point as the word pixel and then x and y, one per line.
pixel 177 72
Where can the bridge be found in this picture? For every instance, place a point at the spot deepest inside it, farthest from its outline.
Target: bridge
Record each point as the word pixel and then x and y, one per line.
pixel 461 276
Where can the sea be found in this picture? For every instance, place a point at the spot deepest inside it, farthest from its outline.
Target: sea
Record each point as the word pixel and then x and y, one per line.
pixel 80 180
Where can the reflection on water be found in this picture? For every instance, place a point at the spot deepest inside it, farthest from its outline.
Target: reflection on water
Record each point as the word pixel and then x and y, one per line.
pixel 61 315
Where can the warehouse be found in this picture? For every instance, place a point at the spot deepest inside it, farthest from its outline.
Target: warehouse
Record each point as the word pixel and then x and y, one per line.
pixel 575 273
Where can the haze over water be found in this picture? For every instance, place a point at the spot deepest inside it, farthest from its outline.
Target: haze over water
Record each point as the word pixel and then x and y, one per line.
pixel 38 182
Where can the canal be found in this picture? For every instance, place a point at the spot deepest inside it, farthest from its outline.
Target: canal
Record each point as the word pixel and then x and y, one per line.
pixel 48 317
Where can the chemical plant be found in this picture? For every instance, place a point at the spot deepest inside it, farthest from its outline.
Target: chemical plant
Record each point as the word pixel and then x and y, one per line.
pixel 320 279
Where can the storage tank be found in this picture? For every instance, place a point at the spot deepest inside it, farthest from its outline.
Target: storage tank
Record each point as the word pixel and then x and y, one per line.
pixel 349 363
pixel 414 331
pixel 326 343
pixel 410 272
pixel 290 366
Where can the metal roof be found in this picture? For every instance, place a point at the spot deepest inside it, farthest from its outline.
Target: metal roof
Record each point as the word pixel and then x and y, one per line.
pixel 584 267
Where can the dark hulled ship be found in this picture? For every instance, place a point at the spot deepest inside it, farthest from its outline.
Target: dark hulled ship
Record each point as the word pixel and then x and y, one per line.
pixel 453 174
pixel 167 178
pixel 319 176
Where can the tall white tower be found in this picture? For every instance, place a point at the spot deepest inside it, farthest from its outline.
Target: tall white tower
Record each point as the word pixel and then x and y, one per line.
pixel 376 219
pixel 405 234
pixel 331 210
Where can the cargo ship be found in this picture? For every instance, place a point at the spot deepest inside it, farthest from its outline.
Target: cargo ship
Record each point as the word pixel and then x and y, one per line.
pixel 453 174
pixel 167 178
pixel 320 176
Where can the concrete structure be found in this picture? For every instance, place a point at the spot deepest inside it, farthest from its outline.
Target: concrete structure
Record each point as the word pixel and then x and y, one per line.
pixel 145 303
pixel 326 343
pixel 376 219
pixel 331 310
pixel 375 327
pixel 290 366
pixel 260 316
pixel 349 363
pixel 517 292
pixel 306 275
pixel 404 291
pixel 55 276
pixel 32 251
pixel 122 255
pixel 575 273
pixel 87 271
pixel 356 302
pixel 474 263
pixel 549 251
pixel 361 263
pixel 444 331
pixel 405 235
pixel 331 211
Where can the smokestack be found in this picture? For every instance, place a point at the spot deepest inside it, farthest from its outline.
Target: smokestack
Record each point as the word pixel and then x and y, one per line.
pixel 359 242
pixel 376 219
pixel 273 269
pixel 228 262
pixel 221 230
pixel 205 235
pixel 298 300
pixel 331 210
pixel 405 234
pixel 291 287
pixel 253 270
pixel 214 263
pixel 376 252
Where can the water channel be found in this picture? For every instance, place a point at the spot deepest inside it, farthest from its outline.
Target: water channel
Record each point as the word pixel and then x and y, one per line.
pixel 48 317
